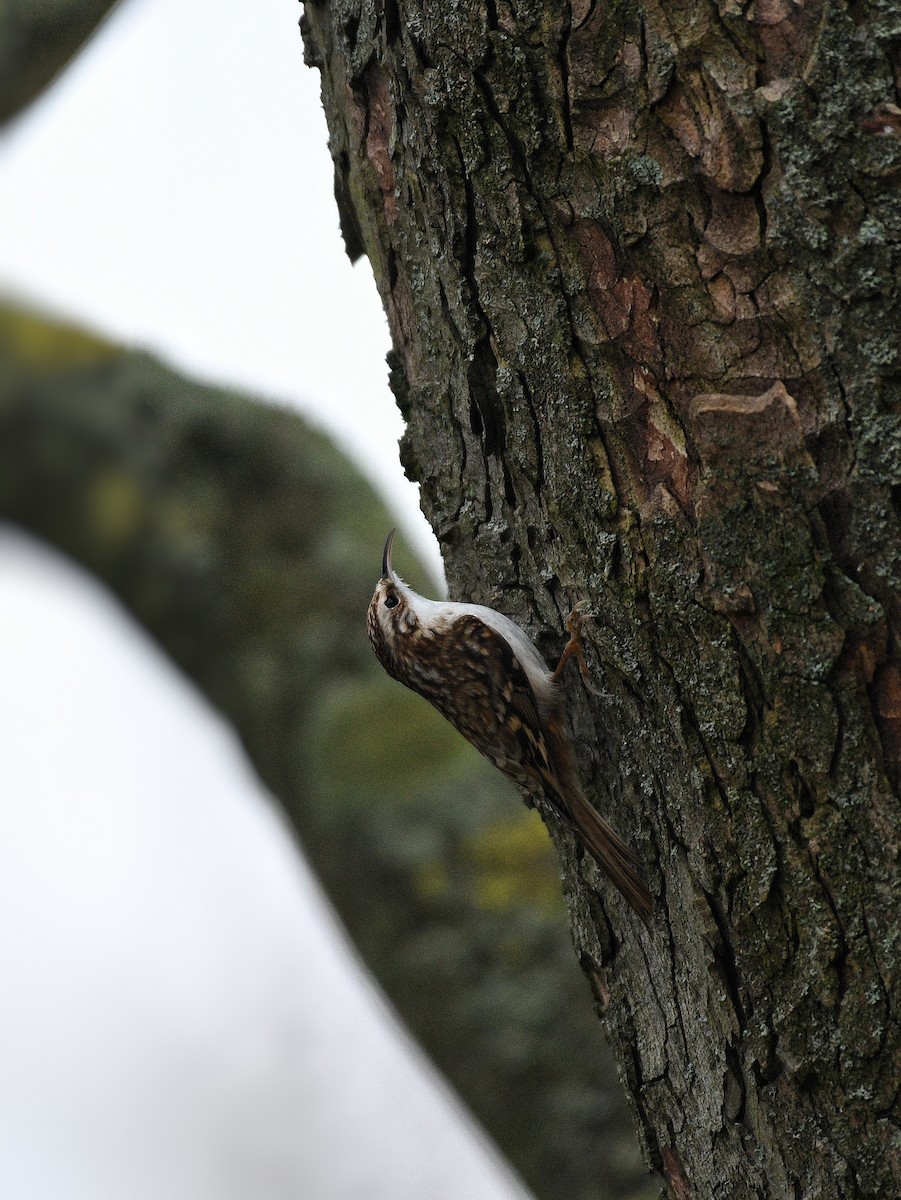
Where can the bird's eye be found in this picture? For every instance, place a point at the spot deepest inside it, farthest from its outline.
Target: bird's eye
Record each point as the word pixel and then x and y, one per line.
pixel 391 601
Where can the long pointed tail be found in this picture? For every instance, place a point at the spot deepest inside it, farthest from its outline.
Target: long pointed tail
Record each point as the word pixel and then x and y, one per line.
pixel 610 852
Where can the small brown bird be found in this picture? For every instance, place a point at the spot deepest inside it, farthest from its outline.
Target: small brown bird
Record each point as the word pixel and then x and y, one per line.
pixel 481 671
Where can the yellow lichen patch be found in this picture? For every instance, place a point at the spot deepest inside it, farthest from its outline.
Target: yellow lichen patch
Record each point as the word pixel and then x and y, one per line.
pixel 605 475
pixel 113 508
pixel 431 881
pixel 514 861
pixel 34 341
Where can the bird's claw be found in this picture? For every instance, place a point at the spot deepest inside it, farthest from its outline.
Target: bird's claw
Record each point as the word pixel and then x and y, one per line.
pixel 574 647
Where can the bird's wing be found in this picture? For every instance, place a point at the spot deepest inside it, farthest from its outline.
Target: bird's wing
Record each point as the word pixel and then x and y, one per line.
pixel 485 692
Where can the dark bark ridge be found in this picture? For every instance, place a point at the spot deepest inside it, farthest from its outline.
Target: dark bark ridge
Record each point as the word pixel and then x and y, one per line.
pixel 640 264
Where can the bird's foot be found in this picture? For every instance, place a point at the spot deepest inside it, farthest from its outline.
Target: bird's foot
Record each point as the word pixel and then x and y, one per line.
pixel 575 649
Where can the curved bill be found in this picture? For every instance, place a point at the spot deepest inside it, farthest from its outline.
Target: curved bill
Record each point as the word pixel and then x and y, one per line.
pixel 387 571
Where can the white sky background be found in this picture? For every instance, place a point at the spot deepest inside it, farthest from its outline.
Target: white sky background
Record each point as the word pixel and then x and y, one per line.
pixel 176 1006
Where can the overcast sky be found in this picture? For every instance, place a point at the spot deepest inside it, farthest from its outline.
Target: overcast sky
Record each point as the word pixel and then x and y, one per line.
pixel 176 1002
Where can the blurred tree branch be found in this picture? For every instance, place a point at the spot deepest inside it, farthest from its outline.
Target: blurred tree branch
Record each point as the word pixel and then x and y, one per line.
pixel 37 39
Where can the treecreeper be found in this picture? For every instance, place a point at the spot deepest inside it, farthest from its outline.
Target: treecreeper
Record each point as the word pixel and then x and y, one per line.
pixel 484 674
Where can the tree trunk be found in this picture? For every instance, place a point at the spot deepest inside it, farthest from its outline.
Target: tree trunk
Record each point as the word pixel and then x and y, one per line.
pixel 640 265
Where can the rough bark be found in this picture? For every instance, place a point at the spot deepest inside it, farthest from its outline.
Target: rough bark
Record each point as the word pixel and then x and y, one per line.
pixel 640 265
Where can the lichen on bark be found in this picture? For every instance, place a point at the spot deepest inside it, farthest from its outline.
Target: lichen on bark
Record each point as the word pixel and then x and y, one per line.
pixel 640 264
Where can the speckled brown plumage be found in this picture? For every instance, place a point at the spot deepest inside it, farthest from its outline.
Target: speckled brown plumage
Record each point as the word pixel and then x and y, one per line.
pixel 483 674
